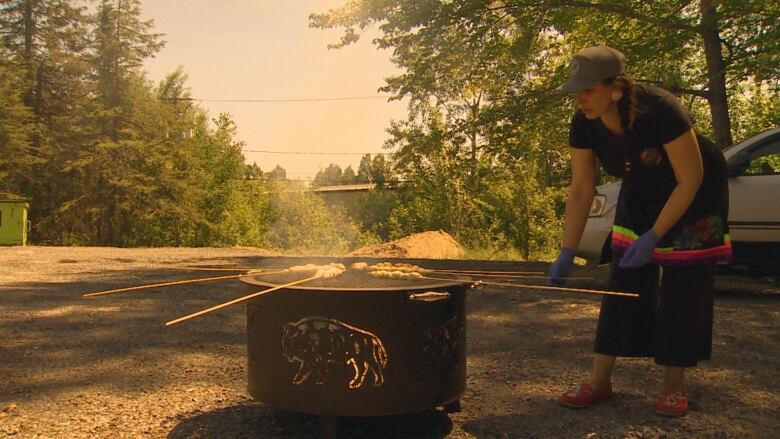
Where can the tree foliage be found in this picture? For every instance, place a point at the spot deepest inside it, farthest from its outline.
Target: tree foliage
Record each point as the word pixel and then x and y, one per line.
pixel 700 48
pixel 109 158
pixel 331 175
pixel 484 142
pixel 16 128
pixel 106 157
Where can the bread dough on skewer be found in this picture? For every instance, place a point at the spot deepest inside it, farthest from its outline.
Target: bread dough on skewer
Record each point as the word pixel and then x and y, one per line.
pixel 395 274
pixel 403 268
pixel 329 271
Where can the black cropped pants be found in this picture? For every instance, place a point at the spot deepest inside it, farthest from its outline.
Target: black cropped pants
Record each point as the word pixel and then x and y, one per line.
pixel 671 320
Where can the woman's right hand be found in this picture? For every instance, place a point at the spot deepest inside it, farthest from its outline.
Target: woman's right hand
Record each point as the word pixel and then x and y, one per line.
pixel 561 268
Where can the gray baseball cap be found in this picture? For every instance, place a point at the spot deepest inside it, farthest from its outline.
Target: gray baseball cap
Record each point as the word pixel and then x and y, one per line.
pixel 591 66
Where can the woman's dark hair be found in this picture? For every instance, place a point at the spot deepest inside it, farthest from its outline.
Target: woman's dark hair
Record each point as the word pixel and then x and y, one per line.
pixel 628 105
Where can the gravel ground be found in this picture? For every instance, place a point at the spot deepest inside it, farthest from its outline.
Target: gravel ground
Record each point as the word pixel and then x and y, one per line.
pixel 105 367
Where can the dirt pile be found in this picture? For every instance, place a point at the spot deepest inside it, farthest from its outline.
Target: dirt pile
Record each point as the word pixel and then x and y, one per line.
pixel 425 245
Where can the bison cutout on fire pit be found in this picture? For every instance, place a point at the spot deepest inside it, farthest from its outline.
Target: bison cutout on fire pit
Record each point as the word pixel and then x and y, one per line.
pixel 314 342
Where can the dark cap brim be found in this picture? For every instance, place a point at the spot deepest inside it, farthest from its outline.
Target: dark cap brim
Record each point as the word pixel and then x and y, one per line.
pixel 575 84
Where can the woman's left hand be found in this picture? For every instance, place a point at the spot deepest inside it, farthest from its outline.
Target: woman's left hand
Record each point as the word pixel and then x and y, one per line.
pixel 640 251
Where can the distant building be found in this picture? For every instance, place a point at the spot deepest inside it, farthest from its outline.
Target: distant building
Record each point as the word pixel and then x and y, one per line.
pixel 348 194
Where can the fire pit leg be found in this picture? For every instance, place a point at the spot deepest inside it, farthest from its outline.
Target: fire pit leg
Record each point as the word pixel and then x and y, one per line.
pixel 328 427
pixel 452 407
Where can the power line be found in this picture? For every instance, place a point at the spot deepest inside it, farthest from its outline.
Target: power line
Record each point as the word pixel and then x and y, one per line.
pixel 264 151
pixel 338 98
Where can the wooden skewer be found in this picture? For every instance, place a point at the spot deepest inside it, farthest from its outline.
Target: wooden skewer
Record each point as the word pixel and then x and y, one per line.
pixel 167 284
pixel 173 267
pixel 545 287
pixel 164 284
pixel 235 301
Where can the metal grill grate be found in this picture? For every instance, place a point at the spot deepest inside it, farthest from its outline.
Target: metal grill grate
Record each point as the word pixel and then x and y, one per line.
pixel 350 280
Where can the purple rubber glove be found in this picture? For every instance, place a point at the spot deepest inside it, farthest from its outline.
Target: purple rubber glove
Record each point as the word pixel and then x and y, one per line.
pixel 640 251
pixel 561 267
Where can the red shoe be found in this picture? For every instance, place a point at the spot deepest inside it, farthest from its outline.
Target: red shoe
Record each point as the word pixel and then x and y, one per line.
pixel 582 395
pixel 672 403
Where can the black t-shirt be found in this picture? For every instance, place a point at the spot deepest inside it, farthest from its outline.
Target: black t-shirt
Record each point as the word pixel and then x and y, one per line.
pixel 639 157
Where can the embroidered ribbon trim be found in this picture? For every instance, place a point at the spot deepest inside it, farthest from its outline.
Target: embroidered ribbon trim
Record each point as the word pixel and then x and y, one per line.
pixel 623 237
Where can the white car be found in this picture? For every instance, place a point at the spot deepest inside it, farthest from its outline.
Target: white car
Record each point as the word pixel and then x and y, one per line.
pixel 754 206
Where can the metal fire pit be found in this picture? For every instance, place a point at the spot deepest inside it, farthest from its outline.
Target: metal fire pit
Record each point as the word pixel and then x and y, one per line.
pixel 357 345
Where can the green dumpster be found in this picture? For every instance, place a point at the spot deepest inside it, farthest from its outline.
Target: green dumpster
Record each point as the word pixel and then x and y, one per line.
pixel 13 222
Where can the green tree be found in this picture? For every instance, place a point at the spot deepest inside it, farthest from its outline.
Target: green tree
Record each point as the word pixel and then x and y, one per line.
pixel 221 163
pixel 688 37
pixel 119 172
pixel 373 209
pixel 122 42
pixel 364 169
pixel 348 176
pixel 48 37
pixel 114 169
pixel 331 175
pixel 15 131
pixel 277 173
pixel 47 41
pixel 253 172
pixel 248 215
pixel 381 170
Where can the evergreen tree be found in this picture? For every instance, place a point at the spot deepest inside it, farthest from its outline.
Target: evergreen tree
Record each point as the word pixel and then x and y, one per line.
pixel 47 40
pixel 15 131
pixel 115 170
pixel 380 170
pixel 277 173
pixel 364 169
pixel 253 172
pixel 332 175
pixel 48 37
pixel 348 176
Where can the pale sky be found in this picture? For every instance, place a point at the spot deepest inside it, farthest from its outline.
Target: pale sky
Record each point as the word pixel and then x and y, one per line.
pixel 264 49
